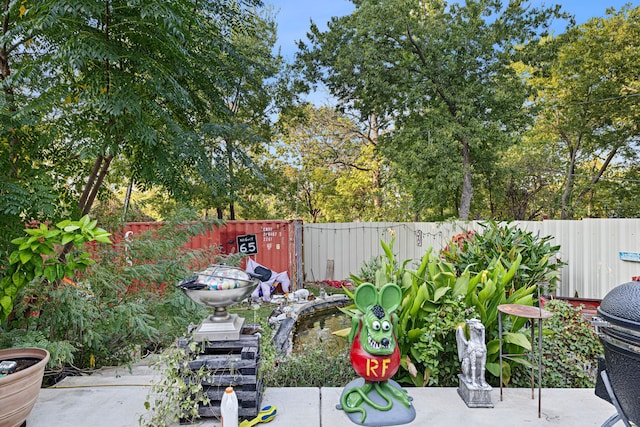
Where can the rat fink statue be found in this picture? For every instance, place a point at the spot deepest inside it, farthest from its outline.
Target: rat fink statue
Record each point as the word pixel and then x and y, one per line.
pixel 375 357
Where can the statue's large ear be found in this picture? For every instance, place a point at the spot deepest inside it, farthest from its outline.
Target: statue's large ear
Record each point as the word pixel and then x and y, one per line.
pixel 390 297
pixel 366 296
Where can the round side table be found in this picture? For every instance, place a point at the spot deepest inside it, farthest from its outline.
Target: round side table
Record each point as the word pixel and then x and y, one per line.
pixel 533 314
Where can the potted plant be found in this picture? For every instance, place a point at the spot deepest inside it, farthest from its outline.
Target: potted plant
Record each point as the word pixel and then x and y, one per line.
pixel 19 390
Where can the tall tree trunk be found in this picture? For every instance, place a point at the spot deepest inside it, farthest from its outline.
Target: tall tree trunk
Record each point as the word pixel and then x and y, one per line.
pixel 376 174
pixel 375 183
pixel 565 211
pixel 127 199
pixel 94 182
pixel 232 211
pixel 99 172
pixel 467 185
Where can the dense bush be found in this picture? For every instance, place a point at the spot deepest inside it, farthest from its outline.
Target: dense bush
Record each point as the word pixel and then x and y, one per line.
pixel 436 348
pixel 435 301
pixel 125 303
pixel 570 350
pixel 369 268
pixel 477 250
pixel 47 255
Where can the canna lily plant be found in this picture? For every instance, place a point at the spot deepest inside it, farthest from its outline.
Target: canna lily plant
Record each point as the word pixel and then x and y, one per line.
pixel 435 301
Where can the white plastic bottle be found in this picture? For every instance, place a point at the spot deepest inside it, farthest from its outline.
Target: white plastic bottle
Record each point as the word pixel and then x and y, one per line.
pixel 229 408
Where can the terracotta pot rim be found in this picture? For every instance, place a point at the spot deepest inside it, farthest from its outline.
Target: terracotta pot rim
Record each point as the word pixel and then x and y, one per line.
pixel 33 352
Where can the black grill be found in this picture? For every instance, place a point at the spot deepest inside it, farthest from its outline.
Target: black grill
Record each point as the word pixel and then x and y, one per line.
pixel 620 336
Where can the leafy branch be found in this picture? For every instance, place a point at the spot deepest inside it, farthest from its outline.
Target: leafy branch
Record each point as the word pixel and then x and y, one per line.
pixel 37 259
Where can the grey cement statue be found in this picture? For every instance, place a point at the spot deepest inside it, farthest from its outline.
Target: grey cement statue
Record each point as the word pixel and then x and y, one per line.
pixel 472 353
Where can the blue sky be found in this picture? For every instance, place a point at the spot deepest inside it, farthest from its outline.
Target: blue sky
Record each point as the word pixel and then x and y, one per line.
pixel 293 16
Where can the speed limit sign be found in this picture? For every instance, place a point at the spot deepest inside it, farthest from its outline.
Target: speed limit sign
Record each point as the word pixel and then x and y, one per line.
pixel 247 244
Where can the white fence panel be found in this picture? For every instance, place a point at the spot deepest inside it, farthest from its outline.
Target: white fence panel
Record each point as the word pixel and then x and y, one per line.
pixel 591 248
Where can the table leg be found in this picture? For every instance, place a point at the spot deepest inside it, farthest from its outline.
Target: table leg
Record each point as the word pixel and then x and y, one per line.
pixel 500 342
pixel 539 366
pixel 533 358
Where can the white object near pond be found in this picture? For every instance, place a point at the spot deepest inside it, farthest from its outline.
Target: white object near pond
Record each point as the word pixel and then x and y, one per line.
pixel 472 353
pixel 301 295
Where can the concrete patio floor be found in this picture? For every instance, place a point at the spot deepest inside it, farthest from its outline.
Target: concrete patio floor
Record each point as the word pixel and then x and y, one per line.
pixel 115 398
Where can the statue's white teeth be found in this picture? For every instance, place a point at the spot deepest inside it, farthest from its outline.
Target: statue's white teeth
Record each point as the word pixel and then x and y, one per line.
pixel 375 345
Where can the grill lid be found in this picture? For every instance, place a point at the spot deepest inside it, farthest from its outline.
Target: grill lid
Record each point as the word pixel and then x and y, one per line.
pixel 621 306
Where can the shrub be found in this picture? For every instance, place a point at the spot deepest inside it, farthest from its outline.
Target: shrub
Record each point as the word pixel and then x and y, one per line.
pixel 436 348
pixel 125 302
pixel 434 294
pixel 45 256
pixel 368 269
pixel 477 250
pixel 570 350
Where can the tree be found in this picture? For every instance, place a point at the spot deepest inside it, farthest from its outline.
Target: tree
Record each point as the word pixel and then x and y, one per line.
pixel 143 79
pixel 133 81
pixel 589 98
pixel 238 140
pixel 337 171
pixel 525 183
pixel 432 66
pixel 28 186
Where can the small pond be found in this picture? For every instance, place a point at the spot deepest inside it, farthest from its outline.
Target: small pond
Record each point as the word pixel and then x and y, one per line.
pixel 317 328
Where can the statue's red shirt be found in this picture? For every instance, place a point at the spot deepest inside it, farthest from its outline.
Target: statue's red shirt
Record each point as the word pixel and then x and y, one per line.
pixel 372 367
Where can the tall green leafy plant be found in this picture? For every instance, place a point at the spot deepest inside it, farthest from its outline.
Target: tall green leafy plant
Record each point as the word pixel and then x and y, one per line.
pixel 539 263
pixel 486 291
pixel 436 299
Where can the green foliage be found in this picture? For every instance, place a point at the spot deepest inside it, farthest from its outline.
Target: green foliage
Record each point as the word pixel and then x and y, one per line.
pixel 311 367
pixel 179 393
pixel 40 257
pixel 476 251
pixel 150 85
pixel 595 86
pixel 436 351
pixel 434 291
pixel 24 197
pixel 368 270
pixel 436 67
pixel 124 304
pixel 570 350
pixel 343 178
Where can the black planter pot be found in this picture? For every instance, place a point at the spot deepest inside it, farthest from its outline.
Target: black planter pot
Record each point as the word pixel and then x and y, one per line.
pixel 620 308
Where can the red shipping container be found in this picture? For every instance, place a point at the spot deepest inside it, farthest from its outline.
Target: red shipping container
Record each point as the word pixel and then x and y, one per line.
pixel 275 244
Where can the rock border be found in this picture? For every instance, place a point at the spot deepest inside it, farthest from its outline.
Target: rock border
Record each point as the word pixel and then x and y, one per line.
pixel 283 338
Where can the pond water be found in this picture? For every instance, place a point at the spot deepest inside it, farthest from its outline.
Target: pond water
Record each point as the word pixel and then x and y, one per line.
pixel 316 330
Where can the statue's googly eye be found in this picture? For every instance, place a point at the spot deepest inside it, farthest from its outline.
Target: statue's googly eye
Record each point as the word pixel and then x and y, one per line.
pixel 375 325
pixel 386 326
